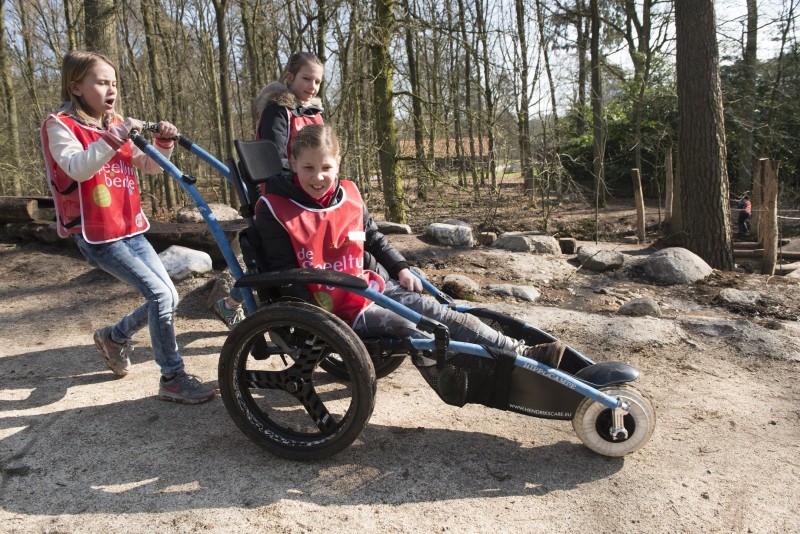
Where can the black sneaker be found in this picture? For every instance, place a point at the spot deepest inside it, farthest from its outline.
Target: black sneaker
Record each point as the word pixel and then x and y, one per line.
pixel 114 354
pixel 185 389
pixel 546 353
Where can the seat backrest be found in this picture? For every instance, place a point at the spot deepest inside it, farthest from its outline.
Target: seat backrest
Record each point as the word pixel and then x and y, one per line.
pixel 258 160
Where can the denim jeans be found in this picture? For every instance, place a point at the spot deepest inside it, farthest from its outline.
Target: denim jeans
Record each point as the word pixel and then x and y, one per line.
pixel 134 261
pixel 377 321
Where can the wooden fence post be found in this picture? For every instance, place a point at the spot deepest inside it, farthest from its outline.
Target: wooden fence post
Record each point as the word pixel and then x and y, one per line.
pixel 639 199
pixel 769 219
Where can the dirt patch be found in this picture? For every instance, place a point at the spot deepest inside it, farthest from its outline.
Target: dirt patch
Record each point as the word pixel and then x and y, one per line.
pixel 83 451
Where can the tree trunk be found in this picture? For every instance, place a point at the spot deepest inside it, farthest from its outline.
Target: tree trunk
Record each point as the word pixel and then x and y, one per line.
pixel 599 142
pixel 30 64
pixel 12 127
pixel 416 108
pixel 668 178
pixel 745 174
pixel 70 25
pixel 101 27
pixel 770 218
pixel 523 114
pixel 154 62
pixel 386 135
pixel 701 131
pixel 220 7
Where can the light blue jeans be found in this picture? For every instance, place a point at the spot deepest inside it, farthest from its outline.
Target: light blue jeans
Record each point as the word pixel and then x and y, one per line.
pixel 134 261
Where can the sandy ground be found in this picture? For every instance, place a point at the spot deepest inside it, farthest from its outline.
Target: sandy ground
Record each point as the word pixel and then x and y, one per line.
pixel 82 451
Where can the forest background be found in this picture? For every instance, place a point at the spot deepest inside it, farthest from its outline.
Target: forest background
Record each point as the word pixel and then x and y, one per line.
pixel 559 98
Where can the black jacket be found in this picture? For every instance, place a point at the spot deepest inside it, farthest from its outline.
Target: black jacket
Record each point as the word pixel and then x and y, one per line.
pixel 273 121
pixel 278 253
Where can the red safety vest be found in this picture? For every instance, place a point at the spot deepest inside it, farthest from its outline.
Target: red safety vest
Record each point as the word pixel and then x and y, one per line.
pixel 330 238
pixel 105 207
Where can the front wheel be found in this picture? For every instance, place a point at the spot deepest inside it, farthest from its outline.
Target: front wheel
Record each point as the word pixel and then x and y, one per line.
pixel 593 422
pixel 275 391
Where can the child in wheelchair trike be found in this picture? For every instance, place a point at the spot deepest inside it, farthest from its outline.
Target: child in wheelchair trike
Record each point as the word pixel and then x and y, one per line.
pixel 298 376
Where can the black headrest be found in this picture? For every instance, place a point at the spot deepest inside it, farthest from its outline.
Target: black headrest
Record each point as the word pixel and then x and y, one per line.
pixel 259 160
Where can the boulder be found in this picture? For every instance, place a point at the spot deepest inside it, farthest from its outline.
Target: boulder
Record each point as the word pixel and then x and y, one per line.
pixel 460 286
pixel 222 212
pixel 737 297
pixel 598 259
pixel 676 265
pixel 640 307
pixel 528 242
pixel 387 227
pixel 182 262
pixel 450 234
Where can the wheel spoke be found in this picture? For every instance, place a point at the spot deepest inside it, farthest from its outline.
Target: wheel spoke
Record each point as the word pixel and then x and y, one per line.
pixel 316 409
pixel 266 379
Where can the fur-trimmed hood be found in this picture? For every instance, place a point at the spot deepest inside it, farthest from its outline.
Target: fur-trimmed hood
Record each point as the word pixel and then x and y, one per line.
pixel 278 93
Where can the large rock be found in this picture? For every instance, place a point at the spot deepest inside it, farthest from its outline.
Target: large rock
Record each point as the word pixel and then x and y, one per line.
pixel 451 235
pixel 640 307
pixel 460 286
pixel 676 266
pixel 182 262
pixel 222 212
pixel 738 297
pixel 528 242
pixel 387 227
pixel 599 259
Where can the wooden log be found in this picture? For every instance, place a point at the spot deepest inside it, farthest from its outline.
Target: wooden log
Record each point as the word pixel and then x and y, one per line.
pixel 18 209
pixel 786 268
pixel 639 200
pixel 752 245
pixel 759 253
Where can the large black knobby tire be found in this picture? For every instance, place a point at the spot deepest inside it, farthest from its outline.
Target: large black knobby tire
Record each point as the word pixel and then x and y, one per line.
pixel 592 422
pixel 275 391
pixel 384 365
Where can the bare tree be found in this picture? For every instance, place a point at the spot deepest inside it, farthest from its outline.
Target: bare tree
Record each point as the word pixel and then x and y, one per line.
pixel 747 117
pixel 386 135
pixel 12 123
pixel 99 18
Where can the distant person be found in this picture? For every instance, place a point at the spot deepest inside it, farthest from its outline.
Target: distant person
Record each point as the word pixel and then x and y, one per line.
pixel 745 212
pixel 90 169
pixel 283 108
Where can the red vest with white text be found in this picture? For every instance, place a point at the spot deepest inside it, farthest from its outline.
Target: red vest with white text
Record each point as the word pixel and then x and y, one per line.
pixel 105 207
pixel 329 238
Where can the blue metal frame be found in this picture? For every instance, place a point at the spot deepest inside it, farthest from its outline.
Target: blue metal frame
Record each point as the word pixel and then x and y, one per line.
pixel 187 183
pixel 385 302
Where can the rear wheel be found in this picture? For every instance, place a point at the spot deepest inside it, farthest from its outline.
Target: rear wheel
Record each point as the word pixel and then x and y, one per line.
pixel 276 392
pixel 593 422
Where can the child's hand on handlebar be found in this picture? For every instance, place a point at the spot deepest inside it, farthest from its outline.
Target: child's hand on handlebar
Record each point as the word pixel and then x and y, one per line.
pixel 166 130
pixel 409 281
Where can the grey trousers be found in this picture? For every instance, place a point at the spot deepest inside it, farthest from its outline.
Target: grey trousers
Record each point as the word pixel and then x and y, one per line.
pixel 376 321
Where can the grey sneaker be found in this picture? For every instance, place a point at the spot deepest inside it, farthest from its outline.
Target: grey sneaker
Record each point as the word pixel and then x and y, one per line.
pixel 546 353
pixel 114 354
pixel 231 317
pixel 184 388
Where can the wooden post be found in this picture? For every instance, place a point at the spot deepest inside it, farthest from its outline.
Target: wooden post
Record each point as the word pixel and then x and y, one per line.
pixel 639 200
pixel 756 198
pixel 769 219
pixel 668 199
